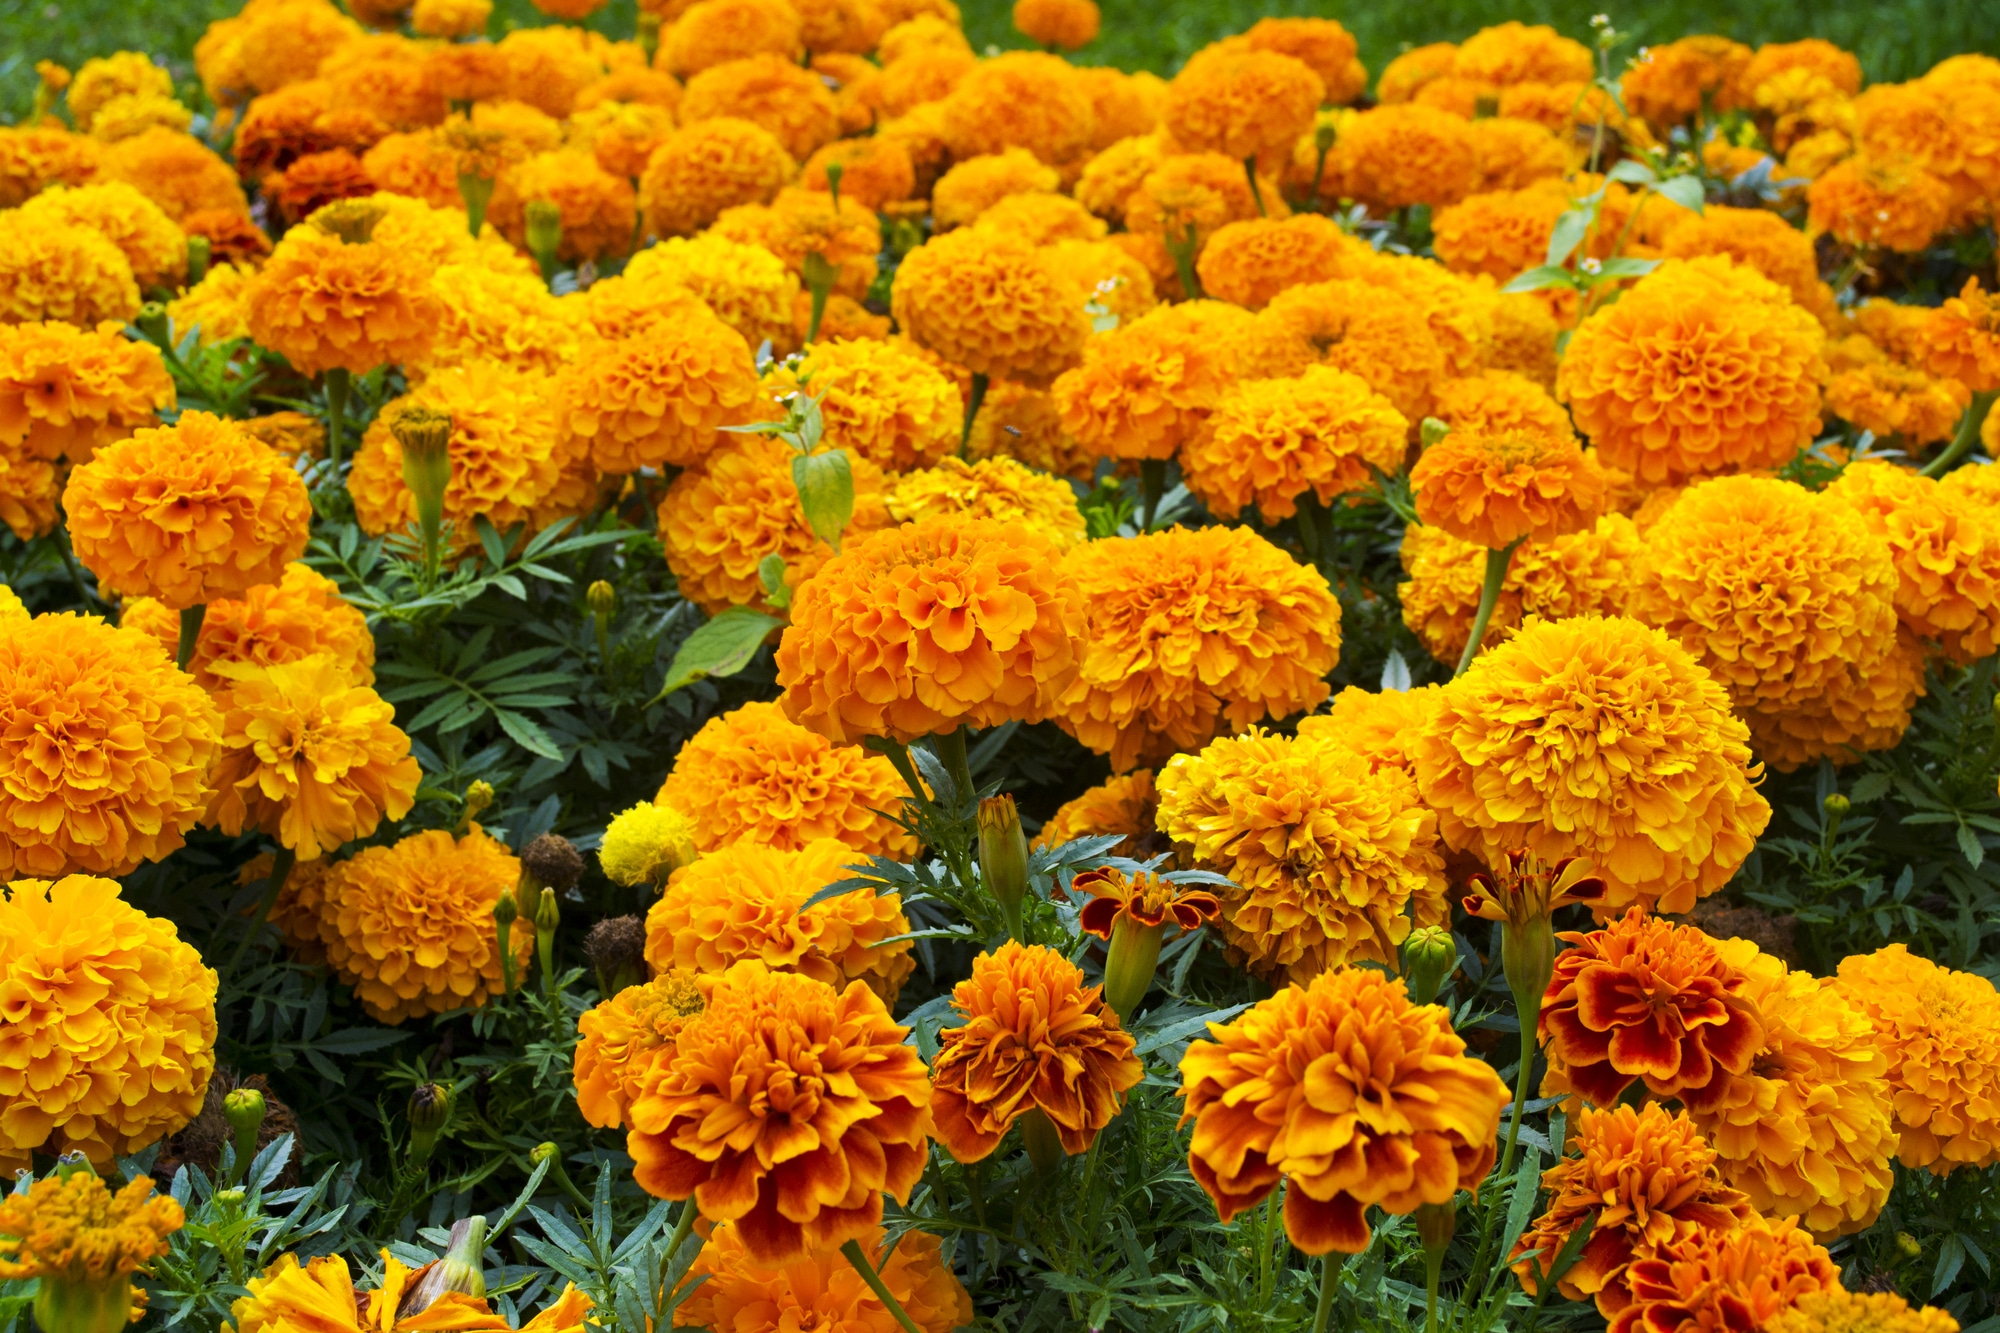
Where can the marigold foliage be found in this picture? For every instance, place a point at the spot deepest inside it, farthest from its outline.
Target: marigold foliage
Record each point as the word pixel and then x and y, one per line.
pixel 77 1230
pixel 623 1040
pixel 821 1288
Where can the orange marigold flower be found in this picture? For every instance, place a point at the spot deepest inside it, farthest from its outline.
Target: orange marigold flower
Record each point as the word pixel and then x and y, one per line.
pixel 1110 177
pixel 753 775
pixel 281 127
pixel 625 1039
pixel 1124 803
pixel 1513 153
pixel 921 79
pixel 410 926
pixel 921 32
pixel 505 319
pixel 1143 900
pixel 1192 631
pixel 1272 441
pixel 301 615
pixel 1500 233
pixel 1064 24
pixel 1498 401
pixel 1838 1311
pixel 1646 999
pixel 1726 1281
pixel 1514 52
pixel 233 239
pixel 1643 1180
pixel 800 222
pixel 1022 423
pixel 1324 857
pixel 1867 201
pixel 57 271
pixel 1524 338
pixel 658 397
pixel 1248 263
pixel 547 67
pixel 151 243
pixel 85 1241
pixel 822 1289
pixel 1894 400
pixel 1322 45
pixel 746 900
pixel 1599 737
pixel 179 173
pixel 1840 68
pixel 1395 156
pixel 187 513
pixel 598 209
pixel 1100 273
pixel 1143 391
pixel 1694 371
pixel 1242 103
pixel 1403 77
pixel 66 391
pixel 1022 99
pixel 707 167
pixel 1961 339
pixel 1760 240
pixel 767 90
pixel 1042 219
pixel 1946 552
pixel 632 85
pixel 1035 1042
pixel 315 180
pixel 994 488
pixel 1348 325
pixel 1940 1030
pixel 1666 85
pixel 788 1110
pixel 714 32
pixel 1393 1113
pixel 746 286
pixel 1378 727
pixel 975 184
pixel 873 172
pixel 450 19
pixel 34 157
pixel 990 304
pixel 323 303
pixel 878 399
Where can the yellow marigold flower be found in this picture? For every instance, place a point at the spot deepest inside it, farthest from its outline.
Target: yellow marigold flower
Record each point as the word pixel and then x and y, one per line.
pixel 705 168
pixel 123 73
pixel 1840 68
pixel 1394 156
pixel 1894 400
pixel 1144 390
pixel 11 610
pixel 309 757
pixel 658 397
pixel 746 900
pixel 1391 1087
pixel 1867 201
pixel 1735 1279
pixel 598 209
pixel 1693 372
pixel 1041 219
pixel 122 215
pixel 123 117
pixel 991 629
pixel 1644 1179
pixel 56 271
pixel 450 19
pixel 1897 330
pixel 1961 339
pixel 66 391
pixel 1124 803
pixel 1022 423
pixel 28 492
pixel 1323 856
pixel 646 844
pixel 186 513
pixel 1349 325
pixel 753 775
pixel 110 1028
pixel 746 286
pixel 1511 758
pixel 1250 262
pixel 1191 632
pixel 502 319
pixel 1940 1030
pixel 721 518
pixel 547 67
pixel 822 1289
pixel 1495 488
pixel 34 157
pixel 1378 727
pixel 852 1084
pixel 1023 99
pixel 301 615
pixel 877 399
pixel 1946 550
pixel 213 308
pixel 323 303
pixel 798 222
pixel 631 85
pixel 1273 440
pixel 990 304
pixel 1951 129
pixel 1588 572
pixel 1242 103
pixel 714 32
pixel 976 184
pixel 84 1243
pixel 410 926
pixel 1805 1131
pixel 1837 1311
pixel 994 488
pixel 922 32
pixel 770 91
pixel 625 1038
pixel 1100 273
pixel 1110 177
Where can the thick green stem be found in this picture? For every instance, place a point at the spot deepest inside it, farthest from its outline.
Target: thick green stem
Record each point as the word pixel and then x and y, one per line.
pixel 852 1250
pixel 1968 434
pixel 1256 193
pixel 1497 561
pixel 950 748
pixel 1182 251
pixel 1433 1271
pixel 1527 1070
pixel 972 403
pixel 281 870
pixel 191 618
pixel 338 382
pixel 1329 1278
pixel 1152 485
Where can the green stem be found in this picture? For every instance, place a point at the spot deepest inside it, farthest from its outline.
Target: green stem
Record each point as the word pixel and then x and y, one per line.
pixel 819 294
pixel 1250 174
pixel 191 618
pixel 1433 1270
pixel 1479 1276
pixel 1264 1248
pixel 1319 175
pixel 1497 560
pixel 84 596
pixel 274 884
pixel 1329 1278
pixel 1152 485
pixel 972 405
pixel 1968 434
pixel 1182 251
pixel 338 382
pixel 852 1250
pixel 950 748
pixel 682 1230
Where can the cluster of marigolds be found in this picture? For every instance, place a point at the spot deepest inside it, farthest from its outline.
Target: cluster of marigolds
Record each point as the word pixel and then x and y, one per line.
pixel 996 276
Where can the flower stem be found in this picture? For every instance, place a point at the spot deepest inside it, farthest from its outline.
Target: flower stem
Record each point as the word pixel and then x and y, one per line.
pixel 1182 251
pixel 1250 174
pixel 1968 432
pixel 191 618
pixel 1152 485
pixel 1433 1270
pixel 852 1249
pixel 950 747
pixel 1497 560
pixel 972 404
pixel 1329 1278
pixel 337 383
pixel 274 884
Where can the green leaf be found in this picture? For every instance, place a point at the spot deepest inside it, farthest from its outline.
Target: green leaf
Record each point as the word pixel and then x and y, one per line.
pixel 771 573
pixel 1683 190
pixel 1625 268
pixel 1535 279
pixel 1869 787
pixel 1187 1027
pixel 722 647
pixel 527 734
pixel 1570 229
pixel 826 490
pixel 1633 172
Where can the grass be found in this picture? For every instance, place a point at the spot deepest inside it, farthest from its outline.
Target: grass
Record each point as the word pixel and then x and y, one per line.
pixel 1896 39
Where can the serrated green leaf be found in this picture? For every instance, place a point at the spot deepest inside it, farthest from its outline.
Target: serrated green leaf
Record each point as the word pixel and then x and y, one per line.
pixel 527 734
pixel 826 492
pixel 722 647
pixel 1632 172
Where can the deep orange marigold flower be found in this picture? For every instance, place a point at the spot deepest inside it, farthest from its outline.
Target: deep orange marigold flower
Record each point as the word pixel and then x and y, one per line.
pixel 744 901
pixel 1597 737
pixel 1838 1311
pixel 325 304
pixel 709 166
pixel 1023 99
pixel 878 399
pixel 410 926
pixel 309 757
pixel 990 304
pixel 1124 803
pixel 1190 633
pixel 1644 1179
pixel 994 488
pixel 1895 401
pixel 1941 1032
pixel 301 615
pixel 1494 488
pixel 1057 24
pixel 1395 156
pixel 1734 1281
pixel 788 1109
pixel 873 172
pixel 186 513
pixel 1589 572
pixel 713 32
pixel 506 318
pixel 1249 262
pixel 1034 1041
pixel 1143 390
pixel 1961 339
pixel 57 271
pixel 1501 233
pixel 1322 45
pixel 658 397
pixel 822 1290
pixel 1351 1095
pixel 1865 202
pixel 110 1034
pixel 598 209
pixel 1498 402
pixel 1242 103
pixel 1946 551
pixel 770 91
pixel 65 391
pixel 931 626
pixel 1674 82
pixel 1352 326
pixel 624 1040
pixel 315 180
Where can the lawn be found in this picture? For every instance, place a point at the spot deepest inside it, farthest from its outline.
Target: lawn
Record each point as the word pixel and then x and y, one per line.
pixel 1896 39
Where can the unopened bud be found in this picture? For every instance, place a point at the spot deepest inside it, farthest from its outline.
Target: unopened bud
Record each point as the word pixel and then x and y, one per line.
pixel 478 799
pixel 547 917
pixel 1485 108
pixel 198 252
pixel 424 435
pixel 429 1110
pixel 152 321
pixel 244 1110
pixel 601 598
pixel 1324 135
pixel 834 171
pixel 1433 430
pixel 505 912
pixel 73 1163
pixel 540 1153
pixel 649 34
pixel 352 220
pixel 544 233
pixel 1003 857
pixel 1429 957
pixel 461 1270
pixel 1908 1247
pixel 1837 805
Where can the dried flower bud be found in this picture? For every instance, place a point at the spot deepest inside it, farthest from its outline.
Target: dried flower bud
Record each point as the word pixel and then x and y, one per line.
pixel 616 947
pixel 553 861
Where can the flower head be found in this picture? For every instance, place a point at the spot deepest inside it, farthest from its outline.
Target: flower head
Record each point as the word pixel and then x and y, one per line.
pixel 748 901
pixel 745 286
pixel 325 304
pixel 1891 399
pixel 1349 325
pixel 598 210
pixel 879 399
pixel 1394 156
pixel 1735 1280
pixel 1501 233
pixel 1023 99
pixel 623 1040
pixel 1961 338
pixel 192 184
pixel 1125 803
pixel 1946 552
pixel 1065 24
pixel 34 157
pixel 1670 83
pixel 1836 1311
pixel 1143 390
pixel 56 271
pixel 1348 1092
pixel 821 1289
pixel 1378 726
pixel 976 184
pixel 646 844
pixel 1242 103
pixel 1022 423
pixel 990 304
pixel 1521 888
pixel 707 167
pixel 1250 262
pixel 713 32
pixel 151 243
pixel 993 488
pixel 1757 239
pixel 772 91
pixel 1494 488
pixel 110 1034
pixel 1034 1039
pixel 1868 202
pixel 657 397
pixel 66 391
pixel 1191 632
pixel 788 1109
pixel 1143 898
pixel 274 623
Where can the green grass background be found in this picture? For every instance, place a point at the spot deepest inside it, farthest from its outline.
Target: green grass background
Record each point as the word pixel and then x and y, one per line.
pixel 1896 39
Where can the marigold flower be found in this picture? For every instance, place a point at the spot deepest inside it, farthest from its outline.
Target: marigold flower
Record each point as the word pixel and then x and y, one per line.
pixel 753 775
pixel 873 172
pixel 1376 726
pixel 56 271
pixel 1940 1030
pixel 315 180
pixel 1520 753
pixel 155 248
pixel 325 304
pixel 994 488
pixel 1348 325
pixel 1042 219
pixel 1034 1040
pixel 66 391
pixel 547 67
pixel 920 32
pixel 1395 156
pixel 658 397
pixel 745 286
pixel 1022 423
pixel 179 173
pixel 1838 1311
pixel 503 319
pixel 646 844
pixel 930 626
pixel 1865 202
pixel 1588 572
pixel 1110 177
pixel 1513 153
pixel 822 1290
pixel 1143 391
pixel 1500 233
pixel 1496 488
pixel 1946 552
pixel 772 1056
pixel 1498 402
pixel 1322 45
pixel 1394 1112
pixel 450 19
pixel 878 399
pixel 110 1031
pixel 301 615
pixel 1758 240
pixel 410 926
pixel 123 117
pixel 1728 1281
pixel 1124 803
pixel 1961 339
pixel 1057 24
pixel 707 167
pixel 33 157
pixel 1896 401
pixel 770 91
pixel 623 1039
pixel 990 304
pixel 598 209
pixel 187 513
pixel 1671 83
pixel 800 222
pixel 84 1242
pixel 714 32
pixel 1192 632
pixel 1248 263
pixel 1644 1179
pixel 1242 103
pixel 1271 441
pixel 1022 99
pixel 1403 77
pixel 1186 199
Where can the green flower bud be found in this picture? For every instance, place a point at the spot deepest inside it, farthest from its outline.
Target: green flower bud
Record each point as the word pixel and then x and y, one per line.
pixel 198 253
pixel 430 1109
pixel 1430 956
pixel 1003 857
pixel 460 1270
pixel 544 234
pixel 244 1110
pixel 1433 430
